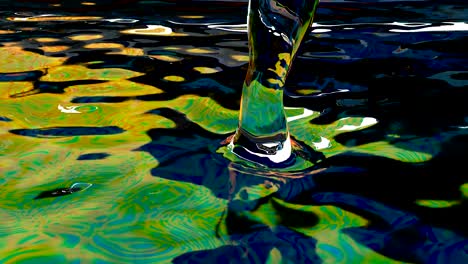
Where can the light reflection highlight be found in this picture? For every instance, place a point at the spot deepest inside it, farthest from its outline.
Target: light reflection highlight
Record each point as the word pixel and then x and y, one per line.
pixel 455 26
pixel 321 28
pixel 51 17
pixel 86 37
pixel 151 30
pixel 174 78
pixel 54 48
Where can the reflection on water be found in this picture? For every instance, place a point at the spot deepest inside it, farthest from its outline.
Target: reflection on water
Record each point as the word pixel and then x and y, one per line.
pixel 111 122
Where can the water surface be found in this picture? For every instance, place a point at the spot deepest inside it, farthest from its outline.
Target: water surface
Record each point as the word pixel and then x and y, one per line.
pixel 111 118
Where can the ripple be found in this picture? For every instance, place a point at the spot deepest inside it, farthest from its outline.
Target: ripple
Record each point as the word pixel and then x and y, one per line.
pixel 42 252
pixel 174 78
pixel 15 59
pixel 226 56
pixel 153 30
pixel 78 72
pixel 207 70
pixel 133 213
pixel 68 109
pixel 366 122
pixel 54 132
pixel 450 78
pixel 51 17
pixel 113 88
pixel 46 40
pixel 75 187
pixel 85 37
pixel 454 26
pixel 122 20
pixel 93 156
pixel 104 45
pixel 4 32
pixel 53 49
pixel 437 203
pixel 168 58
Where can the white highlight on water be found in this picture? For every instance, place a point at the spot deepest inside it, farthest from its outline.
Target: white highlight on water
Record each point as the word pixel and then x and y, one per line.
pixel 366 121
pixel 68 109
pixel 321 28
pixel 83 185
pixel 193 23
pixel 307 112
pixel 151 30
pixel 122 20
pixel 31 17
pixel 455 26
pixel 323 144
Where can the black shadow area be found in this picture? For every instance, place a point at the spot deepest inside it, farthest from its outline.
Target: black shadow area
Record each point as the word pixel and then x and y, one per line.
pixel 53 132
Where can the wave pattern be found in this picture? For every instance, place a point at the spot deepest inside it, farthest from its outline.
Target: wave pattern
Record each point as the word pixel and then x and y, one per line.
pixel 111 124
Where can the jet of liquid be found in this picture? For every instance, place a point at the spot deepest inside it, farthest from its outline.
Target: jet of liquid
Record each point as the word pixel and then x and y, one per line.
pixel 276 29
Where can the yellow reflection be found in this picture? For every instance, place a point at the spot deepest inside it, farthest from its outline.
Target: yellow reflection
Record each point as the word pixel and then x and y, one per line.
pixel 78 72
pixel 192 17
pixel 207 70
pixel 10 44
pixel 88 3
pixel 129 52
pixel 151 30
pixel 6 31
pixel 54 48
pixel 8 89
pixel 104 46
pixel 85 37
pixel 275 82
pixel 174 78
pixel 45 40
pixel 200 51
pixel 306 91
pixel 53 18
pixel 154 30
pixel 280 70
pixel 113 88
pixel 168 58
pixel 240 58
pixel 15 59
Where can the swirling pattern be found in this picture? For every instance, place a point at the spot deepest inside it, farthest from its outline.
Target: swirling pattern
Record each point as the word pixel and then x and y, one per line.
pixel 153 96
pixel 17 60
pixel 76 72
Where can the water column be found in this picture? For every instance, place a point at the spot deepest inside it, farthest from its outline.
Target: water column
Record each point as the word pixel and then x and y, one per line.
pixel 276 29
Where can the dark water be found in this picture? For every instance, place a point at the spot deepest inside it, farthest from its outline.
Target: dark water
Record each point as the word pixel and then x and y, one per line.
pixel 112 114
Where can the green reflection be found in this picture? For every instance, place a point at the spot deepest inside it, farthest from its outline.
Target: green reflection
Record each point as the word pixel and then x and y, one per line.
pixel 276 29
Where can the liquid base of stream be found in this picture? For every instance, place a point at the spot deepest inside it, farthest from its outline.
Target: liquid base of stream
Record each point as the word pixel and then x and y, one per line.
pixel 300 157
